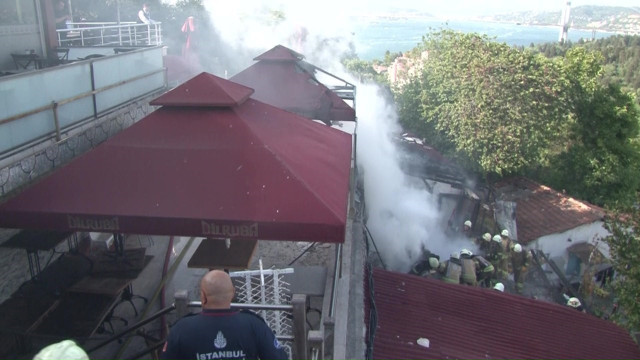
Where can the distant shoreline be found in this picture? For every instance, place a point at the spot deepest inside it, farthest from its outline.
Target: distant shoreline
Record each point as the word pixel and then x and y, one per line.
pixel 426 17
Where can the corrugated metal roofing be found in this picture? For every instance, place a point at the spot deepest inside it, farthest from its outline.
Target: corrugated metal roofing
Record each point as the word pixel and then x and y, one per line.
pixel 463 322
pixel 542 211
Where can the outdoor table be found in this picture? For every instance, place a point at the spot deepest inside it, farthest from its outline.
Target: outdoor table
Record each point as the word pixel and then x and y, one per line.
pixel 214 254
pixel 39 240
pixel 26 60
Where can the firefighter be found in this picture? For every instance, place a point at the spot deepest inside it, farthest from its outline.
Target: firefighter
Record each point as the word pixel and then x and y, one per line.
pixel 520 260
pixel 507 243
pixel 426 265
pixel 497 256
pixel 484 244
pixel 507 248
pixel 485 271
pixel 575 303
pixel 467 227
pixel 469 268
pixel 451 269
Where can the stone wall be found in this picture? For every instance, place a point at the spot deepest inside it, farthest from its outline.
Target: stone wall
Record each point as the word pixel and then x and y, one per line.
pixel 40 160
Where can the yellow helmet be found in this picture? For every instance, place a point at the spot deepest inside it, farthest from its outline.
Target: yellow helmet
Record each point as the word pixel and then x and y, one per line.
pixel 497 238
pixel 505 233
pixel 499 287
pixel 486 237
pixel 517 248
pixel 467 223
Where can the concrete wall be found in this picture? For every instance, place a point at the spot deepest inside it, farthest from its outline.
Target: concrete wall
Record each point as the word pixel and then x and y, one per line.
pixel 557 244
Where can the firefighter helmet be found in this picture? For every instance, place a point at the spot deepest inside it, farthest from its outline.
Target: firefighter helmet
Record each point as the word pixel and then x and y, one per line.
pixel 467 223
pixel 486 237
pixel 66 349
pixel 433 262
pixel 497 238
pixel 499 287
pixel 517 248
pixel 455 255
pixel 466 252
pixel 505 233
pixel 574 302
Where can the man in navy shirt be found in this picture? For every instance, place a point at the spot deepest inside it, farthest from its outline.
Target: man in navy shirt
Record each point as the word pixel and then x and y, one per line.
pixel 219 332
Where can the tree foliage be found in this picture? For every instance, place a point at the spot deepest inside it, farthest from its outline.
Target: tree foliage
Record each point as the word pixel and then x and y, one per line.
pixel 601 161
pixel 501 108
pixel 620 59
pixel 624 247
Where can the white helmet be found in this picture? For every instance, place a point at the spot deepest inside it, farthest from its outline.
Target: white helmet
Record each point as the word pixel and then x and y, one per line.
pixel 574 302
pixel 505 233
pixel 467 223
pixel 517 248
pixel 466 252
pixel 486 237
pixel 497 238
pixel 455 255
pixel 66 349
pixel 433 262
pixel 498 287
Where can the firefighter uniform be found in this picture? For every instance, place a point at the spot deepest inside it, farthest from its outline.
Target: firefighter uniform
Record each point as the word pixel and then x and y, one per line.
pixel 469 268
pixel 451 269
pixel 497 257
pixel 485 271
pixel 520 260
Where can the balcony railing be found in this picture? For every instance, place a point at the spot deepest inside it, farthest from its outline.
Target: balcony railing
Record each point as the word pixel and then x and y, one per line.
pixel 110 34
pixel 46 104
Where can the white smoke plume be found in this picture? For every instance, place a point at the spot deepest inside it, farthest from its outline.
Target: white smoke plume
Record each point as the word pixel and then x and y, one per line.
pixel 402 217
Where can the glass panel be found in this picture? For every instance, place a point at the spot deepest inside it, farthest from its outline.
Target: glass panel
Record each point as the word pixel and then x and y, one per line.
pixel 17 12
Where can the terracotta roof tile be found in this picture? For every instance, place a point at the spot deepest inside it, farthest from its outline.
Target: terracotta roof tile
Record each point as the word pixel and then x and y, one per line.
pixel 542 211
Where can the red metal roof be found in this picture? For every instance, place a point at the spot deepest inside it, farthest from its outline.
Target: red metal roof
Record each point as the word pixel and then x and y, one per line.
pixel 205 90
pixel 280 53
pixel 280 79
pixel 542 211
pixel 245 171
pixel 463 322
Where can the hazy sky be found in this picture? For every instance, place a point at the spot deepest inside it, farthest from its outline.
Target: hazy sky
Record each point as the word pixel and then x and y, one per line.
pixel 450 8
pixel 478 7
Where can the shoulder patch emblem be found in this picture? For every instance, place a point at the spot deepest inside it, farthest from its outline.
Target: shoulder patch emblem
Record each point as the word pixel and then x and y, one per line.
pixel 276 343
pixel 220 342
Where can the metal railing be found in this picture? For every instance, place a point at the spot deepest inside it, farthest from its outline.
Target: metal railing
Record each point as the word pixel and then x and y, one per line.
pixel 110 34
pixel 90 92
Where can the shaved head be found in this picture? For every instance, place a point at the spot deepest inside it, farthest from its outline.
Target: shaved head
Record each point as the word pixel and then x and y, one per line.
pixel 216 290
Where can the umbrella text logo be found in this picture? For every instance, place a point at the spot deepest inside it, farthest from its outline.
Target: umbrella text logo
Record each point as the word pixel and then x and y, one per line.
pixel 230 231
pixel 76 222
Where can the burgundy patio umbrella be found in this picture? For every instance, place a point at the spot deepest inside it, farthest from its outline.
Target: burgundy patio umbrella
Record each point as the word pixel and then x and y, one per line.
pixel 281 78
pixel 210 162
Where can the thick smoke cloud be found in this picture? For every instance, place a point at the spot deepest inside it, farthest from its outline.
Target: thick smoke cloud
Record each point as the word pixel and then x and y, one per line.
pixel 402 214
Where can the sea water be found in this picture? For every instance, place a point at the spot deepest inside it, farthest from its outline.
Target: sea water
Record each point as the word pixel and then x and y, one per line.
pixel 374 36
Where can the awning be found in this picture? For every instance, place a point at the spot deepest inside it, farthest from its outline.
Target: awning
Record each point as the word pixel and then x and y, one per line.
pixel 281 78
pixel 209 163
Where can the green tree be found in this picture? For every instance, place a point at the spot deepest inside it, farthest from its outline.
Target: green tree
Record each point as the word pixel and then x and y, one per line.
pixel 501 108
pixel 624 247
pixel 601 161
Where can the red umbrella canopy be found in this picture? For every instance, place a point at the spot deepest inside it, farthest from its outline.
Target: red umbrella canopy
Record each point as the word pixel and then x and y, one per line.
pixel 210 162
pixel 281 79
